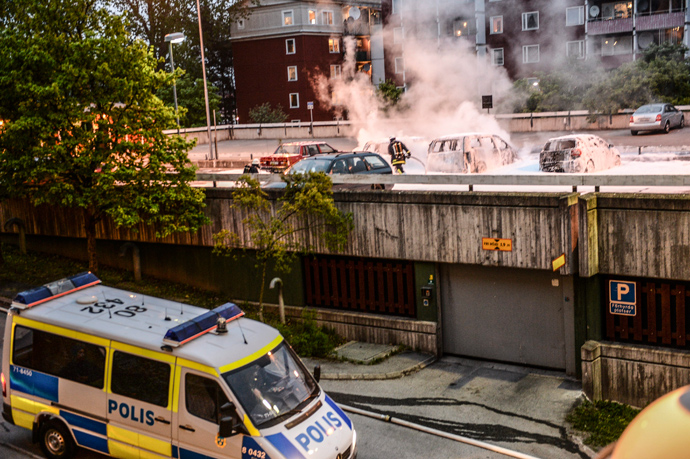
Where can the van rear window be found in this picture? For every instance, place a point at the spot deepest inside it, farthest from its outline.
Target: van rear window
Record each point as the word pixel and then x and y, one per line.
pixel 59 356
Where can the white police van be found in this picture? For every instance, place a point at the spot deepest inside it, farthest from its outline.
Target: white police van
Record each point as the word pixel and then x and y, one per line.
pixel 134 376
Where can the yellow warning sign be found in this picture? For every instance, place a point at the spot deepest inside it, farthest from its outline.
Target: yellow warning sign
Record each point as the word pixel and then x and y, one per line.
pixel 558 262
pixel 503 245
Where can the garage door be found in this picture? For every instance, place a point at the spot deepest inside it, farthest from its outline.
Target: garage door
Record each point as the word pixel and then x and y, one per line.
pixel 504 314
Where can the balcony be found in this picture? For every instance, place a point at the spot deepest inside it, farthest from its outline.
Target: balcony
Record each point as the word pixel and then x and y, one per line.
pixel 660 21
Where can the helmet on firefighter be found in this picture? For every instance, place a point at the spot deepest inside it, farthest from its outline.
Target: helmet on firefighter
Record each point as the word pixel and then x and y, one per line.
pixel 391 138
pixel 255 161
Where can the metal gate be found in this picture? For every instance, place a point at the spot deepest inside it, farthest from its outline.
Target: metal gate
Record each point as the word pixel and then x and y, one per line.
pixel 505 314
pixel 360 284
pixel 662 317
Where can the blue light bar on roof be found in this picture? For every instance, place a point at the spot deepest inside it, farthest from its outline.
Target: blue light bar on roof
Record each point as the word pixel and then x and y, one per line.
pixel 202 324
pixel 38 295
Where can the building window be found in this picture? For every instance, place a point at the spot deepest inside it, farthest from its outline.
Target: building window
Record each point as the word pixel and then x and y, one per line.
pixel 496 24
pixel 530 54
pixel 576 49
pixel 335 71
pixel 287 18
pixel 396 6
pixel 398 35
pixel 240 24
pixel 530 21
pixel 617 10
pixel 399 65
pixel 464 27
pixel 203 397
pixel 575 16
pixel 290 46
pixel 333 45
pixel 497 56
pixel 327 17
pixel 312 16
pixel 294 100
pixel 292 73
pixel 611 46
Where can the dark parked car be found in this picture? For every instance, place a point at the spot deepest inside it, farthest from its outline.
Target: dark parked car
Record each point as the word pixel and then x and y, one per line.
pixel 341 163
pixel 656 117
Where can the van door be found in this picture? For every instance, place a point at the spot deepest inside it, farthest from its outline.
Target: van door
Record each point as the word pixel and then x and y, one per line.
pixel 198 417
pixel 139 402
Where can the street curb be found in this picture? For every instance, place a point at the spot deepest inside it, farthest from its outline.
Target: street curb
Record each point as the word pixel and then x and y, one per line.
pixel 379 376
pixel 20 450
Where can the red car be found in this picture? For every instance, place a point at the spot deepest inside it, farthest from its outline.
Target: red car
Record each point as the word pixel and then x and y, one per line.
pixel 289 153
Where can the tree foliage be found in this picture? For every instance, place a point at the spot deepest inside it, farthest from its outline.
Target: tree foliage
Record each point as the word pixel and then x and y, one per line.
pixel 151 20
pixel 389 94
pixel 191 100
pixel 264 113
pixel 304 215
pixel 83 128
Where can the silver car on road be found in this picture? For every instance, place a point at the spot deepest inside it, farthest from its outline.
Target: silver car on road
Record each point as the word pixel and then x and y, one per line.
pixel 656 117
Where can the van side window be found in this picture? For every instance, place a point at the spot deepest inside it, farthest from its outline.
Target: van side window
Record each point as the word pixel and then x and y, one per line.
pixel 140 378
pixel 203 397
pixel 59 356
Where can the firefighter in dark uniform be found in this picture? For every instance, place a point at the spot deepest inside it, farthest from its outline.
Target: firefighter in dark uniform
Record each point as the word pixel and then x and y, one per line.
pixel 398 152
pixel 252 168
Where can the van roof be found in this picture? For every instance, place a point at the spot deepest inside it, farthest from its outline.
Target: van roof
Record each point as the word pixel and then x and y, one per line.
pixel 117 315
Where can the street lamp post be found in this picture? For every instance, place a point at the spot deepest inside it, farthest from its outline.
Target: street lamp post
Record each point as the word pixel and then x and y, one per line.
pixel 176 37
pixel 203 68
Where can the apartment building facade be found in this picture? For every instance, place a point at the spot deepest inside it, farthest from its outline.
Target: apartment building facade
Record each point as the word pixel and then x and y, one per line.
pixel 285 48
pixel 530 36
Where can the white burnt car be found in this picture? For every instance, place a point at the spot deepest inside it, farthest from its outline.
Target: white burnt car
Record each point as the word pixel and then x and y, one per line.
pixel 578 153
pixel 468 153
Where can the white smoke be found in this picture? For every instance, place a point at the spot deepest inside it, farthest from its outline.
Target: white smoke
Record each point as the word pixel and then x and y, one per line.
pixel 445 81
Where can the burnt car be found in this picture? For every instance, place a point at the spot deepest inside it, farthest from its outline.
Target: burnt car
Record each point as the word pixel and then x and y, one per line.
pixel 341 163
pixel 656 117
pixel 468 153
pixel 289 153
pixel 578 153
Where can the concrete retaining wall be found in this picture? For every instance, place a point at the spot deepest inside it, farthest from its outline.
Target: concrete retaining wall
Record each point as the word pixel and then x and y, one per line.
pixel 632 374
pixel 370 328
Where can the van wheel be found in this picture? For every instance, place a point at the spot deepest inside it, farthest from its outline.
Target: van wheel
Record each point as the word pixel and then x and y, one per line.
pixel 56 441
pixel 590 166
pixel 481 167
pixel 633 132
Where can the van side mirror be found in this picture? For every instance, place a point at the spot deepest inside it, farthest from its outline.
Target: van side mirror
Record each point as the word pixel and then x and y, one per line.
pixel 317 373
pixel 230 423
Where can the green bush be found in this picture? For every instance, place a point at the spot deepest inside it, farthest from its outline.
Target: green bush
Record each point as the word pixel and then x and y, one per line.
pixel 604 421
pixel 307 337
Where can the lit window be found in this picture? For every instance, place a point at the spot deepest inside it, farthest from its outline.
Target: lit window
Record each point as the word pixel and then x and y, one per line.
pixel 290 46
pixel 333 45
pixel 398 35
pixel 327 17
pixel 530 54
pixel 294 100
pixel 576 49
pixel 497 24
pixel 497 56
pixel 464 27
pixel 399 65
pixel 312 17
pixel 335 71
pixel 616 45
pixel 530 21
pixel 575 16
pixel 240 24
pixel 292 73
pixel 287 18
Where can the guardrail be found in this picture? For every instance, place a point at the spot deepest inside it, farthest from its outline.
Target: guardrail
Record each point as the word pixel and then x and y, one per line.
pixel 471 180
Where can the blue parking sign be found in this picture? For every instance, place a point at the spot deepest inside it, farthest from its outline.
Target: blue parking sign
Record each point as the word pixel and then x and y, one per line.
pixel 622 298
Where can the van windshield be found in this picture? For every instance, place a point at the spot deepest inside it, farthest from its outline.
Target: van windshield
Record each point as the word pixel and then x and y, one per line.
pixel 272 386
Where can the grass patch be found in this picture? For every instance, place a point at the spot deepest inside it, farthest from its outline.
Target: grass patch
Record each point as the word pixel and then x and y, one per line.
pixel 307 338
pixel 603 421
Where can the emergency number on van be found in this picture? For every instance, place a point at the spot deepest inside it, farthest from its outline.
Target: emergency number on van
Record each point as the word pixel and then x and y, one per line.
pixel 127 375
